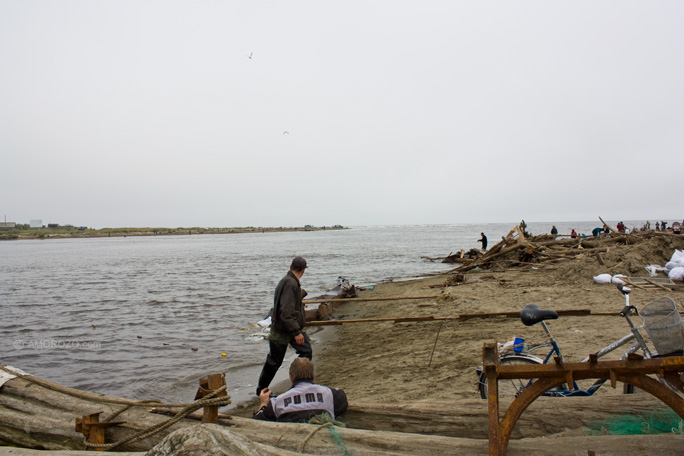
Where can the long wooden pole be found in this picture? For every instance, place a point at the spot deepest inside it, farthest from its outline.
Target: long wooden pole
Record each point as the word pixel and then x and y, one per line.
pixel 612 230
pixel 463 317
pixel 386 298
pixel 573 313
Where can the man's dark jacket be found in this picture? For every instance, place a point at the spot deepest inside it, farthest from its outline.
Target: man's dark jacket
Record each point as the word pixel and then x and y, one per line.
pixel 288 310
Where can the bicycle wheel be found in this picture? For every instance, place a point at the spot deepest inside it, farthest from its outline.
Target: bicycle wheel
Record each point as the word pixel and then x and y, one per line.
pixel 511 387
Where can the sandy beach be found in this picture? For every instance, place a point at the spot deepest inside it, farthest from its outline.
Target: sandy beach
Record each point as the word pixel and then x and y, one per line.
pixel 434 361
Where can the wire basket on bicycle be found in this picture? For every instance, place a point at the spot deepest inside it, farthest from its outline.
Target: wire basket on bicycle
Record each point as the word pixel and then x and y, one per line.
pixel 664 326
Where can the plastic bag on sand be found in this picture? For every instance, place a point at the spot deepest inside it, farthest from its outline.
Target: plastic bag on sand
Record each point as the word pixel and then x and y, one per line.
pixel 616 278
pixel 653 269
pixel 603 278
pixel 677 273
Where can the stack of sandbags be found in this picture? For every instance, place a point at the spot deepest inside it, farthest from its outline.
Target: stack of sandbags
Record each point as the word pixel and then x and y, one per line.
pixel 607 278
pixel 675 267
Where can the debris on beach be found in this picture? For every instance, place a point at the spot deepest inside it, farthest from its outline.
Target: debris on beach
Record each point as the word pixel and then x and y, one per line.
pixel 257 337
pixel 619 256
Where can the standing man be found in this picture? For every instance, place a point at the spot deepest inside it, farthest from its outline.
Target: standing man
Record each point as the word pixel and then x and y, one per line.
pixel 287 323
pixel 484 241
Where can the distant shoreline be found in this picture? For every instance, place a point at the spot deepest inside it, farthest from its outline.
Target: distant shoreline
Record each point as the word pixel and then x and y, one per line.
pixel 61 233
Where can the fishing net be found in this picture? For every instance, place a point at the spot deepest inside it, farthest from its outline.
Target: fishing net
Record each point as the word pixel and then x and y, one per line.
pixel 325 420
pixel 663 421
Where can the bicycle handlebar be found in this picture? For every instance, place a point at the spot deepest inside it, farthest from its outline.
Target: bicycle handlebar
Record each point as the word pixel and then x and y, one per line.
pixel 628 311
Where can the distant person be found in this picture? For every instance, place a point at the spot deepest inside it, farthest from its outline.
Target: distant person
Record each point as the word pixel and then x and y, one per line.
pixel 554 231
pixel 657 226
pixel 528 255
pixel 483 240
pixel 663 226
pixel 287 323
pixel 304 400
pixel 573 234
pixel 596 231
pixel 620 227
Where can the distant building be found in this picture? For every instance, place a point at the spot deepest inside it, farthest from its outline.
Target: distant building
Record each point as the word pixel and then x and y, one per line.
pixel 7 225
pixel 36 224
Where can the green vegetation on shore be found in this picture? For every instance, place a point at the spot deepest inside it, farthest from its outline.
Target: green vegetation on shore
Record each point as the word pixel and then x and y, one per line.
pixel 68 231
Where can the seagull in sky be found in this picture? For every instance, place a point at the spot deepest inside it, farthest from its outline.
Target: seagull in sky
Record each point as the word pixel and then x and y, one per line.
pixel 250 55
pixel 286 132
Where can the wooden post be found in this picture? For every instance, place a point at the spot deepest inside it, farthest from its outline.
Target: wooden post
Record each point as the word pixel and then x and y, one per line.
pixel 208 385
pixel 92 429
pixel 490 355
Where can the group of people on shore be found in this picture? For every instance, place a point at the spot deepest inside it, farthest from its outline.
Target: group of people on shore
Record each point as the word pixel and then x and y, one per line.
pixel 620 227
pixel 305 399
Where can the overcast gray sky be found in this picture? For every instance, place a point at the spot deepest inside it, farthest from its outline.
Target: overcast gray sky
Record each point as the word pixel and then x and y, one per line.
pixel 150 113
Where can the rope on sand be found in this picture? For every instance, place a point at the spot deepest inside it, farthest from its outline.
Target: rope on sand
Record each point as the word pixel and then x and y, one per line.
pixel 326 421
pixel 187 408
pixel 206 401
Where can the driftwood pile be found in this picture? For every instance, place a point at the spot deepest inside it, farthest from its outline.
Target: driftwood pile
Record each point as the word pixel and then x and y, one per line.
pixel 519 248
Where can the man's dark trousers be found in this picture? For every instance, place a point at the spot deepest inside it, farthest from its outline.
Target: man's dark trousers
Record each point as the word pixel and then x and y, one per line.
pixel 275 358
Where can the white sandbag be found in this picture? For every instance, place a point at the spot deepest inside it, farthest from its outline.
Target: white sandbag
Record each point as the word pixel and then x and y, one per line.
pixel 677 273
pixel 617 279
pixel 670 265
pixel 678 256
pixel 603 278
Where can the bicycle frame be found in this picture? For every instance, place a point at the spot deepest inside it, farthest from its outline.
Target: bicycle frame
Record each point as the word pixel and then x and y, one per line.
pixel 635 337
pixel 525 356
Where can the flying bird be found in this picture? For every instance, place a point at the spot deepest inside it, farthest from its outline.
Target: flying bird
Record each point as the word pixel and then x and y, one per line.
pixel 286 132
pixel 250 55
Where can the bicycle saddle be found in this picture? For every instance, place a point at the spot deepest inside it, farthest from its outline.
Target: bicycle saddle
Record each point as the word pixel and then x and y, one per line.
pixel 531 314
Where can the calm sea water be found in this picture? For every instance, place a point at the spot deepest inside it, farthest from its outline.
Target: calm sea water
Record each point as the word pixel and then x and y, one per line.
pixel 121 316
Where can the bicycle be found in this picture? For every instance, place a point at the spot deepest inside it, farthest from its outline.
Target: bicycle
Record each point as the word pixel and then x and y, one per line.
pixel 532 314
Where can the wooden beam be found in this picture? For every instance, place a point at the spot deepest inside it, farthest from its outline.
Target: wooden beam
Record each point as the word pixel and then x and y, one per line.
pixel 386 298
pixel 567 313
pixel 612 230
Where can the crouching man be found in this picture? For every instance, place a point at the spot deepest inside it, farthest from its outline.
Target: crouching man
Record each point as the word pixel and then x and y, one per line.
pixel 303 400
